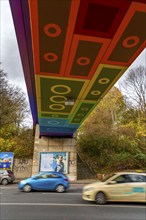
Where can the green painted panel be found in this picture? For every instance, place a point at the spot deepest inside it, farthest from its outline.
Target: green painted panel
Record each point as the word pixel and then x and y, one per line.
pixel 54 93
pixel 82 112
pixel 103 81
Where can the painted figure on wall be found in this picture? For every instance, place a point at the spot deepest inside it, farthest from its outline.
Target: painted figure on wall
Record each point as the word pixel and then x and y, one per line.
pixel 60 164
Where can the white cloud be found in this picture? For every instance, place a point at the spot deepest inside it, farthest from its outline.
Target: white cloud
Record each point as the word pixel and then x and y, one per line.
pixel 10 57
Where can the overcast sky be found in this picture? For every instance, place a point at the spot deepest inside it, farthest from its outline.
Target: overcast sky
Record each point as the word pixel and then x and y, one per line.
pixel 10 58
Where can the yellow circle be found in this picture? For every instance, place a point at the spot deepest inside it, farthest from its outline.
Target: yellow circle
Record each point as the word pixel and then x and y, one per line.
pixel 55 116
pixel 84 109
pixel 53 97
pixel 77 119
pixel 95 92
pixel 61 107
pixel 80 115
pixel 68 89
pixel 104 81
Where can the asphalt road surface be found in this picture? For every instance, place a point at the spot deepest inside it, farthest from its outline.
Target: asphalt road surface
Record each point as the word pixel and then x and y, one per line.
pixel 17 205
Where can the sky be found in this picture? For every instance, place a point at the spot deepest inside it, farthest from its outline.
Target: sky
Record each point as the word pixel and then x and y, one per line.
pixel 10 57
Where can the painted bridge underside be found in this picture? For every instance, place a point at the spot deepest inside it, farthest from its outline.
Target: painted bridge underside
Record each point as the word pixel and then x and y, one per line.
pixel 75 50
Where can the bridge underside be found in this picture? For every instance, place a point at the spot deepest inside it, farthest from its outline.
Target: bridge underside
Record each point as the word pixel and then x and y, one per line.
pixel 72 53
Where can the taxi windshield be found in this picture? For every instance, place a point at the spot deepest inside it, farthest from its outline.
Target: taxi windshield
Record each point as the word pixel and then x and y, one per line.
pixel 108 176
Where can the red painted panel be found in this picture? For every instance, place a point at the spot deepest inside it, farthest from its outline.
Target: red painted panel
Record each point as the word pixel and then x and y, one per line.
pixel 72 63
pixel 130 38
pixel 100 18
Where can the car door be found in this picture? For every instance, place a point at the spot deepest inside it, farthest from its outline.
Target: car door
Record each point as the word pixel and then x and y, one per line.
pixel 1 174
pixel 44 181
pixel 118 189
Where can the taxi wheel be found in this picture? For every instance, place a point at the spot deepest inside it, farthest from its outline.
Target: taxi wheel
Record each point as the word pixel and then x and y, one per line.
pixel 27 188
pixel 60 188
pixel 100 198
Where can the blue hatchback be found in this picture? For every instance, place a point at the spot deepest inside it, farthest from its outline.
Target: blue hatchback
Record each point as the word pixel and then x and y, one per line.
pixel 52 181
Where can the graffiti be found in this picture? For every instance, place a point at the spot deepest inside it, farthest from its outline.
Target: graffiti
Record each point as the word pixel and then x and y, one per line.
pixel 22 161
pixel 22 166
pixel 22 169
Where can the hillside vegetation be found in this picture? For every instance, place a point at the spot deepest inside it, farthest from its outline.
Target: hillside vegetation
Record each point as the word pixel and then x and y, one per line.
pixel 113 138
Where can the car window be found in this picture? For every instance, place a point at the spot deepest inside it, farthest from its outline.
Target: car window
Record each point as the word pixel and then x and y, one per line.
pixel 46 176
pixel 55 176
pixel 121 179
pixel 9 171
pixel 49 175
pixel 137 178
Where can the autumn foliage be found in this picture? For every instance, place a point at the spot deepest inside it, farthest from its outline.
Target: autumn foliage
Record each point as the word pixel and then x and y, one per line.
pixel 113 138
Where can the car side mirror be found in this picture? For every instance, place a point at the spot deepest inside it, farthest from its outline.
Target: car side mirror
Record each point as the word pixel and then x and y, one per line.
pixel 112 182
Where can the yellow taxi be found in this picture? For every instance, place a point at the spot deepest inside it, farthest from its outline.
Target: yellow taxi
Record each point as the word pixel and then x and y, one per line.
pixel 121 187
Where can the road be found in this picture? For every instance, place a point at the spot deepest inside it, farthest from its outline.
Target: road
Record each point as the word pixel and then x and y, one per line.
pixel 16 205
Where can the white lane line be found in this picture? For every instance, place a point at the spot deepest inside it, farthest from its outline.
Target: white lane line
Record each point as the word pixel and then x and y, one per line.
pixel 8 187
pixel 68 193
pixel 64 204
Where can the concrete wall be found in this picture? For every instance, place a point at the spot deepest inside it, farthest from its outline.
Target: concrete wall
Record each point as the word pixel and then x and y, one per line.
pixel 22 168
pixel 45 144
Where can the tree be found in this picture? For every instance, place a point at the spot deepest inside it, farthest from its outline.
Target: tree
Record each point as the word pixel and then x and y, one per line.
pixel 105 116
pixel 113 136
pixel 13 106
pixel 15 136
pixel 20 143
pixel 134 88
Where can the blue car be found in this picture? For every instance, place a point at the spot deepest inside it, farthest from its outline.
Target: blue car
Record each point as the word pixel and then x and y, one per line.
pixel 51 181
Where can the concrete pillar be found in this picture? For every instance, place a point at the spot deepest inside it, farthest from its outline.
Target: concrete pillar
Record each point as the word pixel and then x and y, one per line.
pixel 46 144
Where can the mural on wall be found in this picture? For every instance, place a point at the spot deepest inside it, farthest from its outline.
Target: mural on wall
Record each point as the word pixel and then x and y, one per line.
pixel 6 160
pixel 54 161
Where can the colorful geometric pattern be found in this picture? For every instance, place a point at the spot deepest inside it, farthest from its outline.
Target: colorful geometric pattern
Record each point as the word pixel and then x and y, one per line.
pixel 75 50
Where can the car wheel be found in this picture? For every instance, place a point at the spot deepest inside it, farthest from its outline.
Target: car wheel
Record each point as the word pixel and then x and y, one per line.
pixel 60 188
pixel 27 188
pixel 100 198
pixel 5 182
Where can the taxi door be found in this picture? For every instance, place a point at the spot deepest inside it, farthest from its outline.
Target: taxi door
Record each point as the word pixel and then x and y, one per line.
pixel 138 187
pixel 119 189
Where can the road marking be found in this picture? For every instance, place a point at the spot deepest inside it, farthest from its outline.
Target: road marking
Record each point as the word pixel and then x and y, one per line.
pixel 64 204
pixel 8 187
pixel 67 193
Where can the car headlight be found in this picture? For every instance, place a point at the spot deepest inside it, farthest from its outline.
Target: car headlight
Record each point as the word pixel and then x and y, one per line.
pixel 88 189
pixel 23 181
